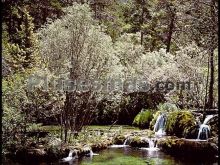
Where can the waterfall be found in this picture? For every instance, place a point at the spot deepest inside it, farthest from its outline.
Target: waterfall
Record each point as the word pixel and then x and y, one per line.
pixel 208 117
pixel 204 129
pixel 151 145
pixel 121 145
pixel 160 125
pixel 70 157
pixel 91 153
pixel 125 142
pixel 70 154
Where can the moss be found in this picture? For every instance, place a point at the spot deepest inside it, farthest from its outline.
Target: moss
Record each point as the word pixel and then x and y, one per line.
pixel 119 139
pixel 137 142
pixel 142 120
pixel 180 123
pixel 183 147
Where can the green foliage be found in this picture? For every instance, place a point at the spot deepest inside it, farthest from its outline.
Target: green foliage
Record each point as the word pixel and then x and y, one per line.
pixel 20 48
pixel 143 118
pixel 179 123
pixel 167 107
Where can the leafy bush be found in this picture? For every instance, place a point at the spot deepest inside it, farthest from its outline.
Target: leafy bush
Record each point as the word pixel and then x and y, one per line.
pixel 143 118
pixel 168 107
pixel 179 123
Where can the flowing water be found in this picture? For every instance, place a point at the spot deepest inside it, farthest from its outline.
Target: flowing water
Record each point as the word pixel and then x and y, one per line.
pixel 120 145
pixel 128 156
pixel 152 145
pixel 204 129
pixel 159 126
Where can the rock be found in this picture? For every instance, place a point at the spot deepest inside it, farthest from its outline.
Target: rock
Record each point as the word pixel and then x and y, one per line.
pixel 120 139
pixel 181 124
pixel 139 142
pixel 213 123
pixel 189 148
pixel 213 140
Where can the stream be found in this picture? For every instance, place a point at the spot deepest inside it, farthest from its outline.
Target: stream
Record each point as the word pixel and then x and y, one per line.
pixel 129 156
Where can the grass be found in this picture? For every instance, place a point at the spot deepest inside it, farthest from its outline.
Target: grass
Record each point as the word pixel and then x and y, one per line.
pixel 55 128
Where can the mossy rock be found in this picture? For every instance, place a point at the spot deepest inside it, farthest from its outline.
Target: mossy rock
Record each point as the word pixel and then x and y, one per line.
pixel 181 124
pixel 138 142
pixel 120 139
pixel 184 147
pixel 143 118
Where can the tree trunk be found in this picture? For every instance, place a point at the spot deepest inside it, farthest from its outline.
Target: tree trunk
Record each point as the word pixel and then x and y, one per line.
pixel 142 22
pixel 170 33
pixel 212 67
pixel 211 83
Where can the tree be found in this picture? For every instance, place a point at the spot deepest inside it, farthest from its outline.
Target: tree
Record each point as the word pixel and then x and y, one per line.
pixel 21 45
pixel 81 52
pixel 202 27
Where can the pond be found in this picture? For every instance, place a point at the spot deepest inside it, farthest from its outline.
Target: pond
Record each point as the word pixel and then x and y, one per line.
pixel 130 156
pixel 135 156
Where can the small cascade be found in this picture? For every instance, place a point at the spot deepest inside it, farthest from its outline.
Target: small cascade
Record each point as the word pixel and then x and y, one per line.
pixel 160 125
pixel 120 145
pixel 70 157
pixel 203 132
pixel 91 153
pixel 204 129
pixel 151 143
pixel 152 146
pixel 125 142
pixel 208 117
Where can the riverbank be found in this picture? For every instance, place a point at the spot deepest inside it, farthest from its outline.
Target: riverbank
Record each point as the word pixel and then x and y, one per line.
pixel 97 139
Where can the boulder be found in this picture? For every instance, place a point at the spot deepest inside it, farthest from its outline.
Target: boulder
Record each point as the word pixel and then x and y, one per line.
pixel 188 147
pixel 120 139
pixel 138 142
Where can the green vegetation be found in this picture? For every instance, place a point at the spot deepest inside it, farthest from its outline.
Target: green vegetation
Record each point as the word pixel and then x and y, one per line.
pixel 52 48
pixel 180 123
pixel 167 107
pixel 143 119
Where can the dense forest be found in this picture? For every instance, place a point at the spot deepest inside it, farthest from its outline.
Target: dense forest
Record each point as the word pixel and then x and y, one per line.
pixel 70 66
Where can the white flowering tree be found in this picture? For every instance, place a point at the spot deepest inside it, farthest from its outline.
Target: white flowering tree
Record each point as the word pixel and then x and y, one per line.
pixel 74 47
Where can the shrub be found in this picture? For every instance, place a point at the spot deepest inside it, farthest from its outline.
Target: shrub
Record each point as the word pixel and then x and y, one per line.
pixel 179 123
pixel 168 107
pixel 143 118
